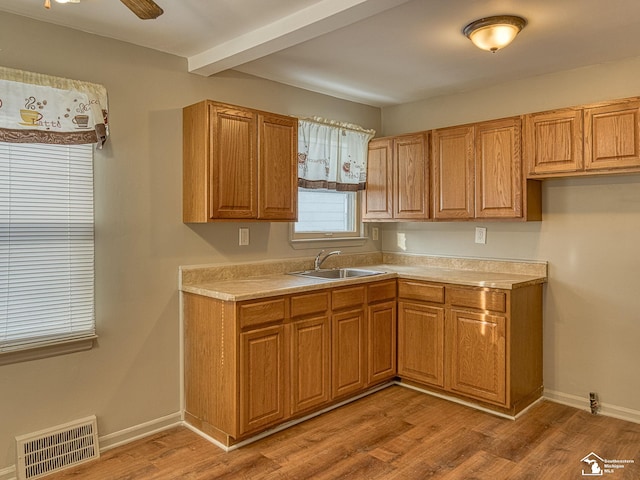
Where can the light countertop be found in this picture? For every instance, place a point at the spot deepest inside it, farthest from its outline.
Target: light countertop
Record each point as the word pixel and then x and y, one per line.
pixel 238 286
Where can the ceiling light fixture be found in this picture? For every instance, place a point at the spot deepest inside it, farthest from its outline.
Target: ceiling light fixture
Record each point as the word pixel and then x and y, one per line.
pixel 494 33
pixel 47 3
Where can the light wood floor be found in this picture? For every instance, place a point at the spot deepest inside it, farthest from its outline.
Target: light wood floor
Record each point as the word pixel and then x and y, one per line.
pixel 396 433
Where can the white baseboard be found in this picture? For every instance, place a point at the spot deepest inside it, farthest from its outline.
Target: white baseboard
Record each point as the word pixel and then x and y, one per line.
pixel 459 401
pixel 606 409
pixel 136 432
pixel 8 473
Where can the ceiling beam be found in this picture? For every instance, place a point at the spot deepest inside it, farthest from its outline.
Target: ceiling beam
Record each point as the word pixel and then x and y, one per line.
pixel 322 17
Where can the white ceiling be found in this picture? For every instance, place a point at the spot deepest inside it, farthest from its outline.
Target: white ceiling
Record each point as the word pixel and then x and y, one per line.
pixel 377 52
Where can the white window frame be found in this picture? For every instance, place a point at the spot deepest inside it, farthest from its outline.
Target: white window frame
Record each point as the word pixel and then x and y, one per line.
pixel 310 239
pixel 56 260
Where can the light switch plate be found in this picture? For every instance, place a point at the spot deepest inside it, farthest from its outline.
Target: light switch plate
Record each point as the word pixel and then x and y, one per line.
pixel 481 235
pixel 402 240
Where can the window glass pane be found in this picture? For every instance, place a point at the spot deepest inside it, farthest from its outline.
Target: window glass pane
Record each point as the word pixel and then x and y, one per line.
pixel 326 211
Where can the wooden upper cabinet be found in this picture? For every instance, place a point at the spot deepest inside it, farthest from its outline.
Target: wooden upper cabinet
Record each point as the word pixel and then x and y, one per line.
pixel 278 176
pixel 397 179
pixel 553 142
pixel 588 140
pixel 377 198
pixel 233 189
pixel 411 177
pixel 453 172
pixel 498 169
pixel 612 136
pixel 238 164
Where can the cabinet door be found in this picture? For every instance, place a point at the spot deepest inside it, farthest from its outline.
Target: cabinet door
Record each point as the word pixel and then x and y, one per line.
pixel 310 360
pixel 421 343
pixel 410 177
pixel 381 342
pixel 612 136
pixel 378 196
pixel 233 188
pixel 277 167
pixel 262 370
pixel 498 169
pixel 478 355
pixel 452 161
pixel 553 142
pixel 348 354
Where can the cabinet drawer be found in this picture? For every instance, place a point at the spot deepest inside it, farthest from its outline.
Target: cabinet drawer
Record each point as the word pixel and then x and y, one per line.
pixel 347 297
pixel 265 311
pixel 421 291
pixel 482 299
pixel 310 303
pixel 381 291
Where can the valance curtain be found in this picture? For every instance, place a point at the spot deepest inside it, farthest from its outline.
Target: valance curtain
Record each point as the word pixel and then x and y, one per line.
pixel 332 155
pixel 38 108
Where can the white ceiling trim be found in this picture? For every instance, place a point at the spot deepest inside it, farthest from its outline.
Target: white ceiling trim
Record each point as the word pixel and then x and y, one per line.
pixel 311 22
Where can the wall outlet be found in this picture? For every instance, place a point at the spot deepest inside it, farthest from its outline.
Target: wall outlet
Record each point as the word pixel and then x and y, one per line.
pixel 594 405
pixel 374 233
pixel 243 236
pixel 481 235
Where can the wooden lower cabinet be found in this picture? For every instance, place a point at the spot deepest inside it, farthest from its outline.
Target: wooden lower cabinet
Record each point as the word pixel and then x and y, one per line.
pixel 381 331
pixel 480 344
pixel 348 340
pixel 310 363
pixel 348 352
pixel 478 355
pixel 262 378
pixel 252 365
pixel 421 343
pixel 381 342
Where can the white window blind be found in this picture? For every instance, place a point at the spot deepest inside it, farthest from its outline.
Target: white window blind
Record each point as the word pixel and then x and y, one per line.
pixel 46 244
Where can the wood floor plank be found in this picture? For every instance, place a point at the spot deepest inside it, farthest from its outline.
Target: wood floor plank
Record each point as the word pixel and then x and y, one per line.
pixel 396 433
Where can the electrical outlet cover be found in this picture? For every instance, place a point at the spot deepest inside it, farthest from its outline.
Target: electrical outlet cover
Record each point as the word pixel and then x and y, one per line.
pixel 481 235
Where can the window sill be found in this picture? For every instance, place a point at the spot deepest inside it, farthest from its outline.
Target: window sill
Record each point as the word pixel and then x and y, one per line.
pixel 328 242
pixel 52 349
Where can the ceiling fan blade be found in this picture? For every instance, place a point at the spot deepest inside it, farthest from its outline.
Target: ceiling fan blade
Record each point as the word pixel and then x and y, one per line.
pixel 144 9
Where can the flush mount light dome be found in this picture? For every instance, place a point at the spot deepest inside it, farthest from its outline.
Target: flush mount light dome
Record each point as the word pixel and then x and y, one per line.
pixel 494 33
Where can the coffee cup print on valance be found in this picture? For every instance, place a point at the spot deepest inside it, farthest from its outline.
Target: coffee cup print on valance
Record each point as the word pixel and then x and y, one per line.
pixel 39 108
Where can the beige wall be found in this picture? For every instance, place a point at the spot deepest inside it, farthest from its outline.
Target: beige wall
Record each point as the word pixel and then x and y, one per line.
pixel 133 375
pixel 590 235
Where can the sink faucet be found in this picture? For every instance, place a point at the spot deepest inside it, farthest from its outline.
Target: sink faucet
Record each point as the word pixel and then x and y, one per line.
pixel 318 262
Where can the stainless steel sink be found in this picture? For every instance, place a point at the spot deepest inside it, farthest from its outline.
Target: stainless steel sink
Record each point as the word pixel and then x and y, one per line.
pixel 335 273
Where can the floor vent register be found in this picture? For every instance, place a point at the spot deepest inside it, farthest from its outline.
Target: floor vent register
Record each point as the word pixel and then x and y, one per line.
pixel 53 449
